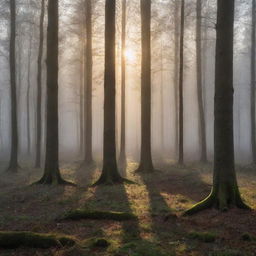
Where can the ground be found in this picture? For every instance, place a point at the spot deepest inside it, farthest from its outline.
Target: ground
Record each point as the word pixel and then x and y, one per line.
pixel 157 199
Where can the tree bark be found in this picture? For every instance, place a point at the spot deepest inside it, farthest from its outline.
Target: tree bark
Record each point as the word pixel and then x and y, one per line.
pixel 146 163
pixel 202 130
pixel 39 87
pixel 181 136
pixel 253 83
pixel 110 174
pixel 13 166
pixel 225 192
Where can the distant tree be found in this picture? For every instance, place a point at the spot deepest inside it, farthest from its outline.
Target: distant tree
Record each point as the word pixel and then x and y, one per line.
pixel 122 156
pixel 13 166
pixel 181 71
pixel 253 82
pixel 51 170
pixel 110 174
pixel 202 129
pixel 225 192
pixel 146 163
pixel 39 87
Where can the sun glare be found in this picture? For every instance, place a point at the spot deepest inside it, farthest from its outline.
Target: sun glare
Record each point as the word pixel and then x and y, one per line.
pixel 130 55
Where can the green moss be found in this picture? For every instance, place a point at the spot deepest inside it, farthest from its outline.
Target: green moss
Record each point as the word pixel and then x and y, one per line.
pixel 205 237
pixel 35 240
pixel 99 215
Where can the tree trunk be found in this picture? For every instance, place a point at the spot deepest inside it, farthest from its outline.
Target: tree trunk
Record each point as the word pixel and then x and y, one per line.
pixel 110 174
pixel 202 131
pixel 51 170
pixel 88 86
pixel 225 192
pixel 122 156
pixel 181 138
pixel 13 166
pixel 39 88
pixel 146 164
pixel 253 83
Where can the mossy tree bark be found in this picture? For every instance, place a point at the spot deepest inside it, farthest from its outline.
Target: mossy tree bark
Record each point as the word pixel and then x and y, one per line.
pixel 51 169
pixel 13 165
pixel 146 163
pixel 225 192
pixel 39 88
pixel 110 174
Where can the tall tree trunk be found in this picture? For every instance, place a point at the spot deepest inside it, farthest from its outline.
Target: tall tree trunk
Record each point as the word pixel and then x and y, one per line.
pixel 88 86
pixel 13 166
pixel 253 83
pixel 181 137
pixel 39 88
pixel 51 170
pixel 225 192
pixel 146 164
pixel 122 156
pixel 202 131
pixel 110 174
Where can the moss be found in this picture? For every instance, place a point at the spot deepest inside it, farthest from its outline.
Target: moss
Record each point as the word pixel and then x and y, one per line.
pixel 35 240
pixel 205 237
pixel 100 242
pixel 99 215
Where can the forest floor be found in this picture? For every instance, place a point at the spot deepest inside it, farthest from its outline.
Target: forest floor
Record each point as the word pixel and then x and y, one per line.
pixel 158 200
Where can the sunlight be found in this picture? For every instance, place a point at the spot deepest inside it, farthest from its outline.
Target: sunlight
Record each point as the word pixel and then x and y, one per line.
pixel 130 55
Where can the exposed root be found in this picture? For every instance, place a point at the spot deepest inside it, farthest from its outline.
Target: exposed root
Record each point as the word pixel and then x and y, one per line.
pixel 50 181
pixel 112 181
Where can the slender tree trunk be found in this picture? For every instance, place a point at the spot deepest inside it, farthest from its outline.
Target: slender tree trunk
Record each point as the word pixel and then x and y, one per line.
pixel 88 94
pixel 181 138
pixel 146 164
pixel 110 174
pixel 162 102
pixel 51 170
pixel 225 192
pixel 39 88
pixel 122 156
pixel 13 166
pixel 253 83
pixel 202 132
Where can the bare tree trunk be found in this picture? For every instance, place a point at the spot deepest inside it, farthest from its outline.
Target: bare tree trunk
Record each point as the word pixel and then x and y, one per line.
pixel 146 164
pixel 202 132
pixel 253 83
pixel 110 174
pixel 181 138
pixel 13 166
pixel 51 170
pixel 39 88
pixel 225 192
pixel 122 156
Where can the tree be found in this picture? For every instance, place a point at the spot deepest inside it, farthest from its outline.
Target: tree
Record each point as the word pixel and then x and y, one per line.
pixel 253 83
pixel 202 130
pixel 110 174
pixel 181 136
pixel 39 87
pixel 146 163
pixel 122 156
pixel 88 85
pixel 225 192
pixel 51 169
pixel 13 166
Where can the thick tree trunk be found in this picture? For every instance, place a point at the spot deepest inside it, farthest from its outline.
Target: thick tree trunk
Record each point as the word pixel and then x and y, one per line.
pixel 13 166
pixel 122 156
pixel 181 138
pixel 253 83
pixel 225 192
pixel 202 131
pixel 110 174
pixel 51 170
pixel 88 86
pixel 146 164
pixel 39 88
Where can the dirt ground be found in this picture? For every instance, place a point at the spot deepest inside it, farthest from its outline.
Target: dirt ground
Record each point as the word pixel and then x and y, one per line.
pixel 158 200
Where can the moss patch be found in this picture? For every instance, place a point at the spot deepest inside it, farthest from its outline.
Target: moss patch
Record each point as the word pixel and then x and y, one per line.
pixel 205 237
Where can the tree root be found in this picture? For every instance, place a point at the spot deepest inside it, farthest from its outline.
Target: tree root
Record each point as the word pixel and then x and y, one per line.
pixel 12 240
pixel 59 181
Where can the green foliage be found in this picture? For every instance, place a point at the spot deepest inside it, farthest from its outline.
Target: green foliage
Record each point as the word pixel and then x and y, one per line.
pixel 205 237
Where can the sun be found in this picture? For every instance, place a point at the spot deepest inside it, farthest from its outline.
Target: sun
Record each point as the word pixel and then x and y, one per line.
pixel 129 55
